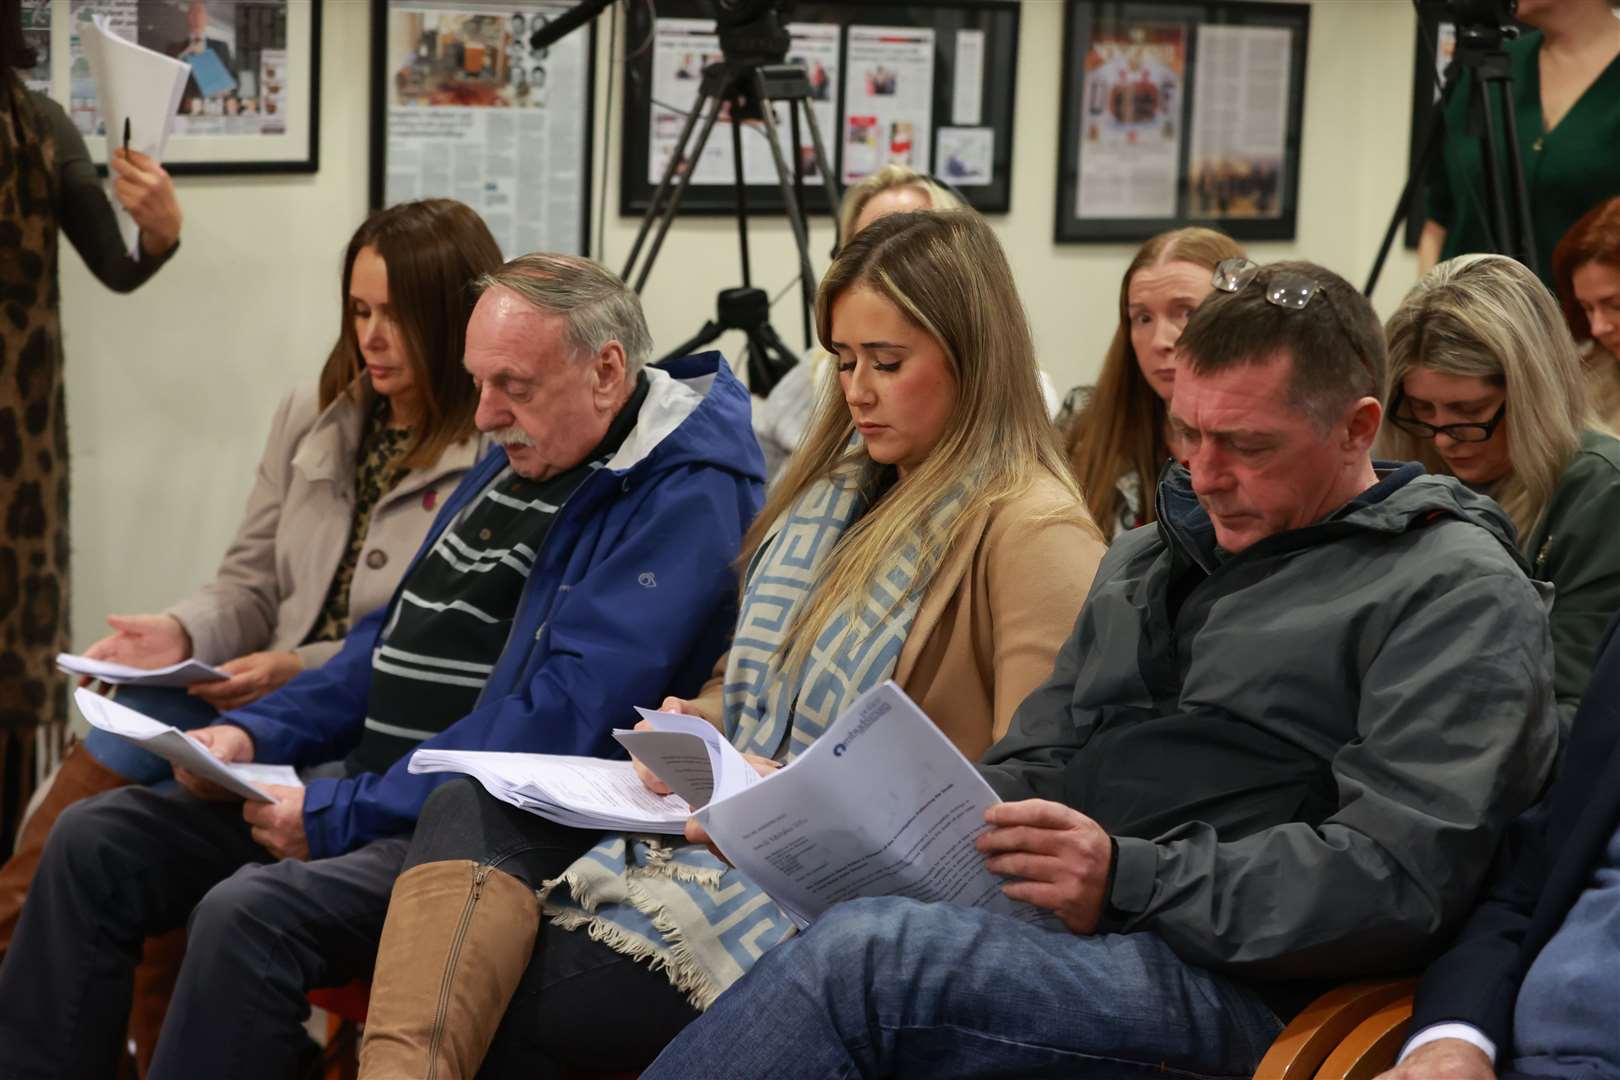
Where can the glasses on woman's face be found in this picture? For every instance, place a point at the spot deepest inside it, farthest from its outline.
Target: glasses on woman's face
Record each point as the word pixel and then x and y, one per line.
pixel 1286 289
pixel 1468 433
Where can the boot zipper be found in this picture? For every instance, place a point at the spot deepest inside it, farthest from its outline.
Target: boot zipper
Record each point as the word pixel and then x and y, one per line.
pixel 450 968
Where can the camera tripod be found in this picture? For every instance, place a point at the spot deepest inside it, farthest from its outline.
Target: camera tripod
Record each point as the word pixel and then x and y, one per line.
pixel 1508 224
pixel 744 90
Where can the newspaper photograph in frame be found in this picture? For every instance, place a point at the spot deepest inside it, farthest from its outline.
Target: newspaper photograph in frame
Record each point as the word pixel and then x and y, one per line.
pixel 1180 112
pixel 463 107
pixel 252 99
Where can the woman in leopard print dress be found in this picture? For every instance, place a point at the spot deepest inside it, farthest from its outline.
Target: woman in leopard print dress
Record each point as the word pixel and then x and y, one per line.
pixel 48 186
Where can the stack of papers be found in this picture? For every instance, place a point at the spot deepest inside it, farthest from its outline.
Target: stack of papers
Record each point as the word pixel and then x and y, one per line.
pixel 137 86
pixel 181 749
pixel 185 673
pixel 881 805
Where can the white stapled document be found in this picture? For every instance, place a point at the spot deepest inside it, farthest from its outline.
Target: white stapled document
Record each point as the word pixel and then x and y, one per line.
pixel 580 792
pixel 137 85
pixel 181 749
pixel 880 805
pixel 185 673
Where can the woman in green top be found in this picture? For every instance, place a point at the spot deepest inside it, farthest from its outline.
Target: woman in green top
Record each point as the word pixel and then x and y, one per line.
pixel 1486 385
pixel 1566 87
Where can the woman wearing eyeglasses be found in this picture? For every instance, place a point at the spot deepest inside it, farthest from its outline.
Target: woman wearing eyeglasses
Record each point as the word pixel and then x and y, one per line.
pixel 1486 384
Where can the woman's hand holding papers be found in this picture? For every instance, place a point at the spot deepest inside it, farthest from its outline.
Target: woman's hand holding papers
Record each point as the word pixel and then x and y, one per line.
pixel 230 744
pixel 143 641
pixel 278 827
pixel 146 191
pixel 1061 856
pixel 251 677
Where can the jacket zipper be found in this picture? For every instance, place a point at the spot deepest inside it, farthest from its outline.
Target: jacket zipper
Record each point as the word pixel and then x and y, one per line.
pixel 479 875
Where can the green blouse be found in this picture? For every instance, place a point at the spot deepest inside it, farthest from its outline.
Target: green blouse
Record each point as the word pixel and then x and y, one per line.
pixel 1567 171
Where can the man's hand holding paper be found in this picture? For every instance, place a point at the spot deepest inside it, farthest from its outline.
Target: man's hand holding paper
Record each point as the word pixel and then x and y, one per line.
pixel 279 826
pixel 1058 855
pixel 228 743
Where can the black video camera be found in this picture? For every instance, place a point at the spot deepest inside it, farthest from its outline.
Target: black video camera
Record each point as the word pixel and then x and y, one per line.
pixel 1474 14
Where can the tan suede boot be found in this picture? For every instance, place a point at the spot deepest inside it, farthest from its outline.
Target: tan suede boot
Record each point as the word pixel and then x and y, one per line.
pixel 456 942
pixel 80 777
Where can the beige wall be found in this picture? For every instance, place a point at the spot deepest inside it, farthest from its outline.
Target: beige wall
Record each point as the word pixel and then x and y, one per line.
pixel 170 390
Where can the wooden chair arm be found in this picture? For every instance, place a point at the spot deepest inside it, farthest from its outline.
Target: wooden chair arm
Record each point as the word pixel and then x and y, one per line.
pixel 1315 1033
pixel 1372 1046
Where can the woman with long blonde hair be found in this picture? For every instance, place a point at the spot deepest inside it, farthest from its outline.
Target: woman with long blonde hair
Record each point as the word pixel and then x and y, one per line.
pixel 1116 438
pixel 1486 385
pixel 928 532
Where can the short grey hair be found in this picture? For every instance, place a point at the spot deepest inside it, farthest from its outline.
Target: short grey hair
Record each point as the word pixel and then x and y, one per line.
pixel 597 306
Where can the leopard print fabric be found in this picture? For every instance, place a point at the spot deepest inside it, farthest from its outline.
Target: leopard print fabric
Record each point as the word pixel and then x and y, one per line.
pixel 33 427
pixel 375 474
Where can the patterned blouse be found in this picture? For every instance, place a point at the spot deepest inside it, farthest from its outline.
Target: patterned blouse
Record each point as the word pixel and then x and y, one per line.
pixel 375 473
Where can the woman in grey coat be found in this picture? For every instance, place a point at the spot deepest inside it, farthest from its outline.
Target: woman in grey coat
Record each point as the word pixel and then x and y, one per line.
pixel 350 481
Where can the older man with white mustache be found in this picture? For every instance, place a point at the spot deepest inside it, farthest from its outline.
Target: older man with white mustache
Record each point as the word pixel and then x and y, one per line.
pixel 581 569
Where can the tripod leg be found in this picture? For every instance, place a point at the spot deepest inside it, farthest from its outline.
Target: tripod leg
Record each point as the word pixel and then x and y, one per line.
pixel 829 183
pixel 706 336
pixel 807 277
pixel 1495 213
pixel 664 182
pixel 740 197
pixel 1523 234
pixel 798 190
pixel 674 203
pixel 1414 180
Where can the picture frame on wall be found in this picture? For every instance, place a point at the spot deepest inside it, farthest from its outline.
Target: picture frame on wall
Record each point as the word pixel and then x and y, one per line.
pixel 463 107
pixel 251 103
pixel 1180 112
pixel 922 84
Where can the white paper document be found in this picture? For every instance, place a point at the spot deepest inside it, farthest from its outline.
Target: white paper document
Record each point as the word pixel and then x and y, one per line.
pixel 181 749
pixel 881 805
pixel 134 85
pixel 580 792
pixel 185 673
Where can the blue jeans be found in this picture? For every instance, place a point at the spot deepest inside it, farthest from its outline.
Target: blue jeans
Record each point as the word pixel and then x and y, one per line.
pixel 892 987
pixel 168 704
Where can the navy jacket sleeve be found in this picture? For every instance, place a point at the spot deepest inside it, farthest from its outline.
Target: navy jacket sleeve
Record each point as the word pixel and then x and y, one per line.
pixel 318 716
pixel 616 639
pixel 1476 981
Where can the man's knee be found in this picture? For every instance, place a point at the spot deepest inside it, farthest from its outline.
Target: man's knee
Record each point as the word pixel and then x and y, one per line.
pixel 86 839
pixel 247 903
pixel 876 937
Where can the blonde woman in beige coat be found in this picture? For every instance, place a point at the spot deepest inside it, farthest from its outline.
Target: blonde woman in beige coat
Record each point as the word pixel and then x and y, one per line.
pixel 351 478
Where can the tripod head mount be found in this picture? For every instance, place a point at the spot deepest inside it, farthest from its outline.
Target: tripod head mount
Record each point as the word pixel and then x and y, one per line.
pixel 1483 24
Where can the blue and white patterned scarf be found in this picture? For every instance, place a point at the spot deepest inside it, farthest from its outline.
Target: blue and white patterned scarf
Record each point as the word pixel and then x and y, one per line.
pixel 679 908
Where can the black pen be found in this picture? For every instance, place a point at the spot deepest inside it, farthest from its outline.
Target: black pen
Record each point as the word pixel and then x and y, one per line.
pixel 126 138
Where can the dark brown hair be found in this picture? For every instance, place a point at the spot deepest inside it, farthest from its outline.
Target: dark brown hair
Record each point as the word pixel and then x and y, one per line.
pixel 1120 429
pixel 15 52
pixel 1594 238
pixel 1335 341
pixel 434 250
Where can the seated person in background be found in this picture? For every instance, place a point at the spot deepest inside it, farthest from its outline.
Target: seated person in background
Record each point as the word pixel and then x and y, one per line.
pixel 930 519
pixel 1116 430
pixel 780 419
pixel 348 484
pixel 1485 384
pixel 1279 748
pixel 582 570
pixel 1586 272
pixel 1531 981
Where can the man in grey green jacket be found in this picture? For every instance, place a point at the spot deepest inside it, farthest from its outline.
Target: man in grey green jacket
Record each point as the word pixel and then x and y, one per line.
pixel 1278 750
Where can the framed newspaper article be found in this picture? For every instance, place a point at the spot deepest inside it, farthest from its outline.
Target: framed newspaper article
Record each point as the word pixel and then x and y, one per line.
pixel 462 107
pixel 928 85
pixel 251 101
pixel 1180 113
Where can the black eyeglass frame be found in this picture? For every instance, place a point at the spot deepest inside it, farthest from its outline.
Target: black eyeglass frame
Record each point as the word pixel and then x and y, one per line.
pixel 1413 426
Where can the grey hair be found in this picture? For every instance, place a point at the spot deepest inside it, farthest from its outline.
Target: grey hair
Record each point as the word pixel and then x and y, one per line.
pixel 597 306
